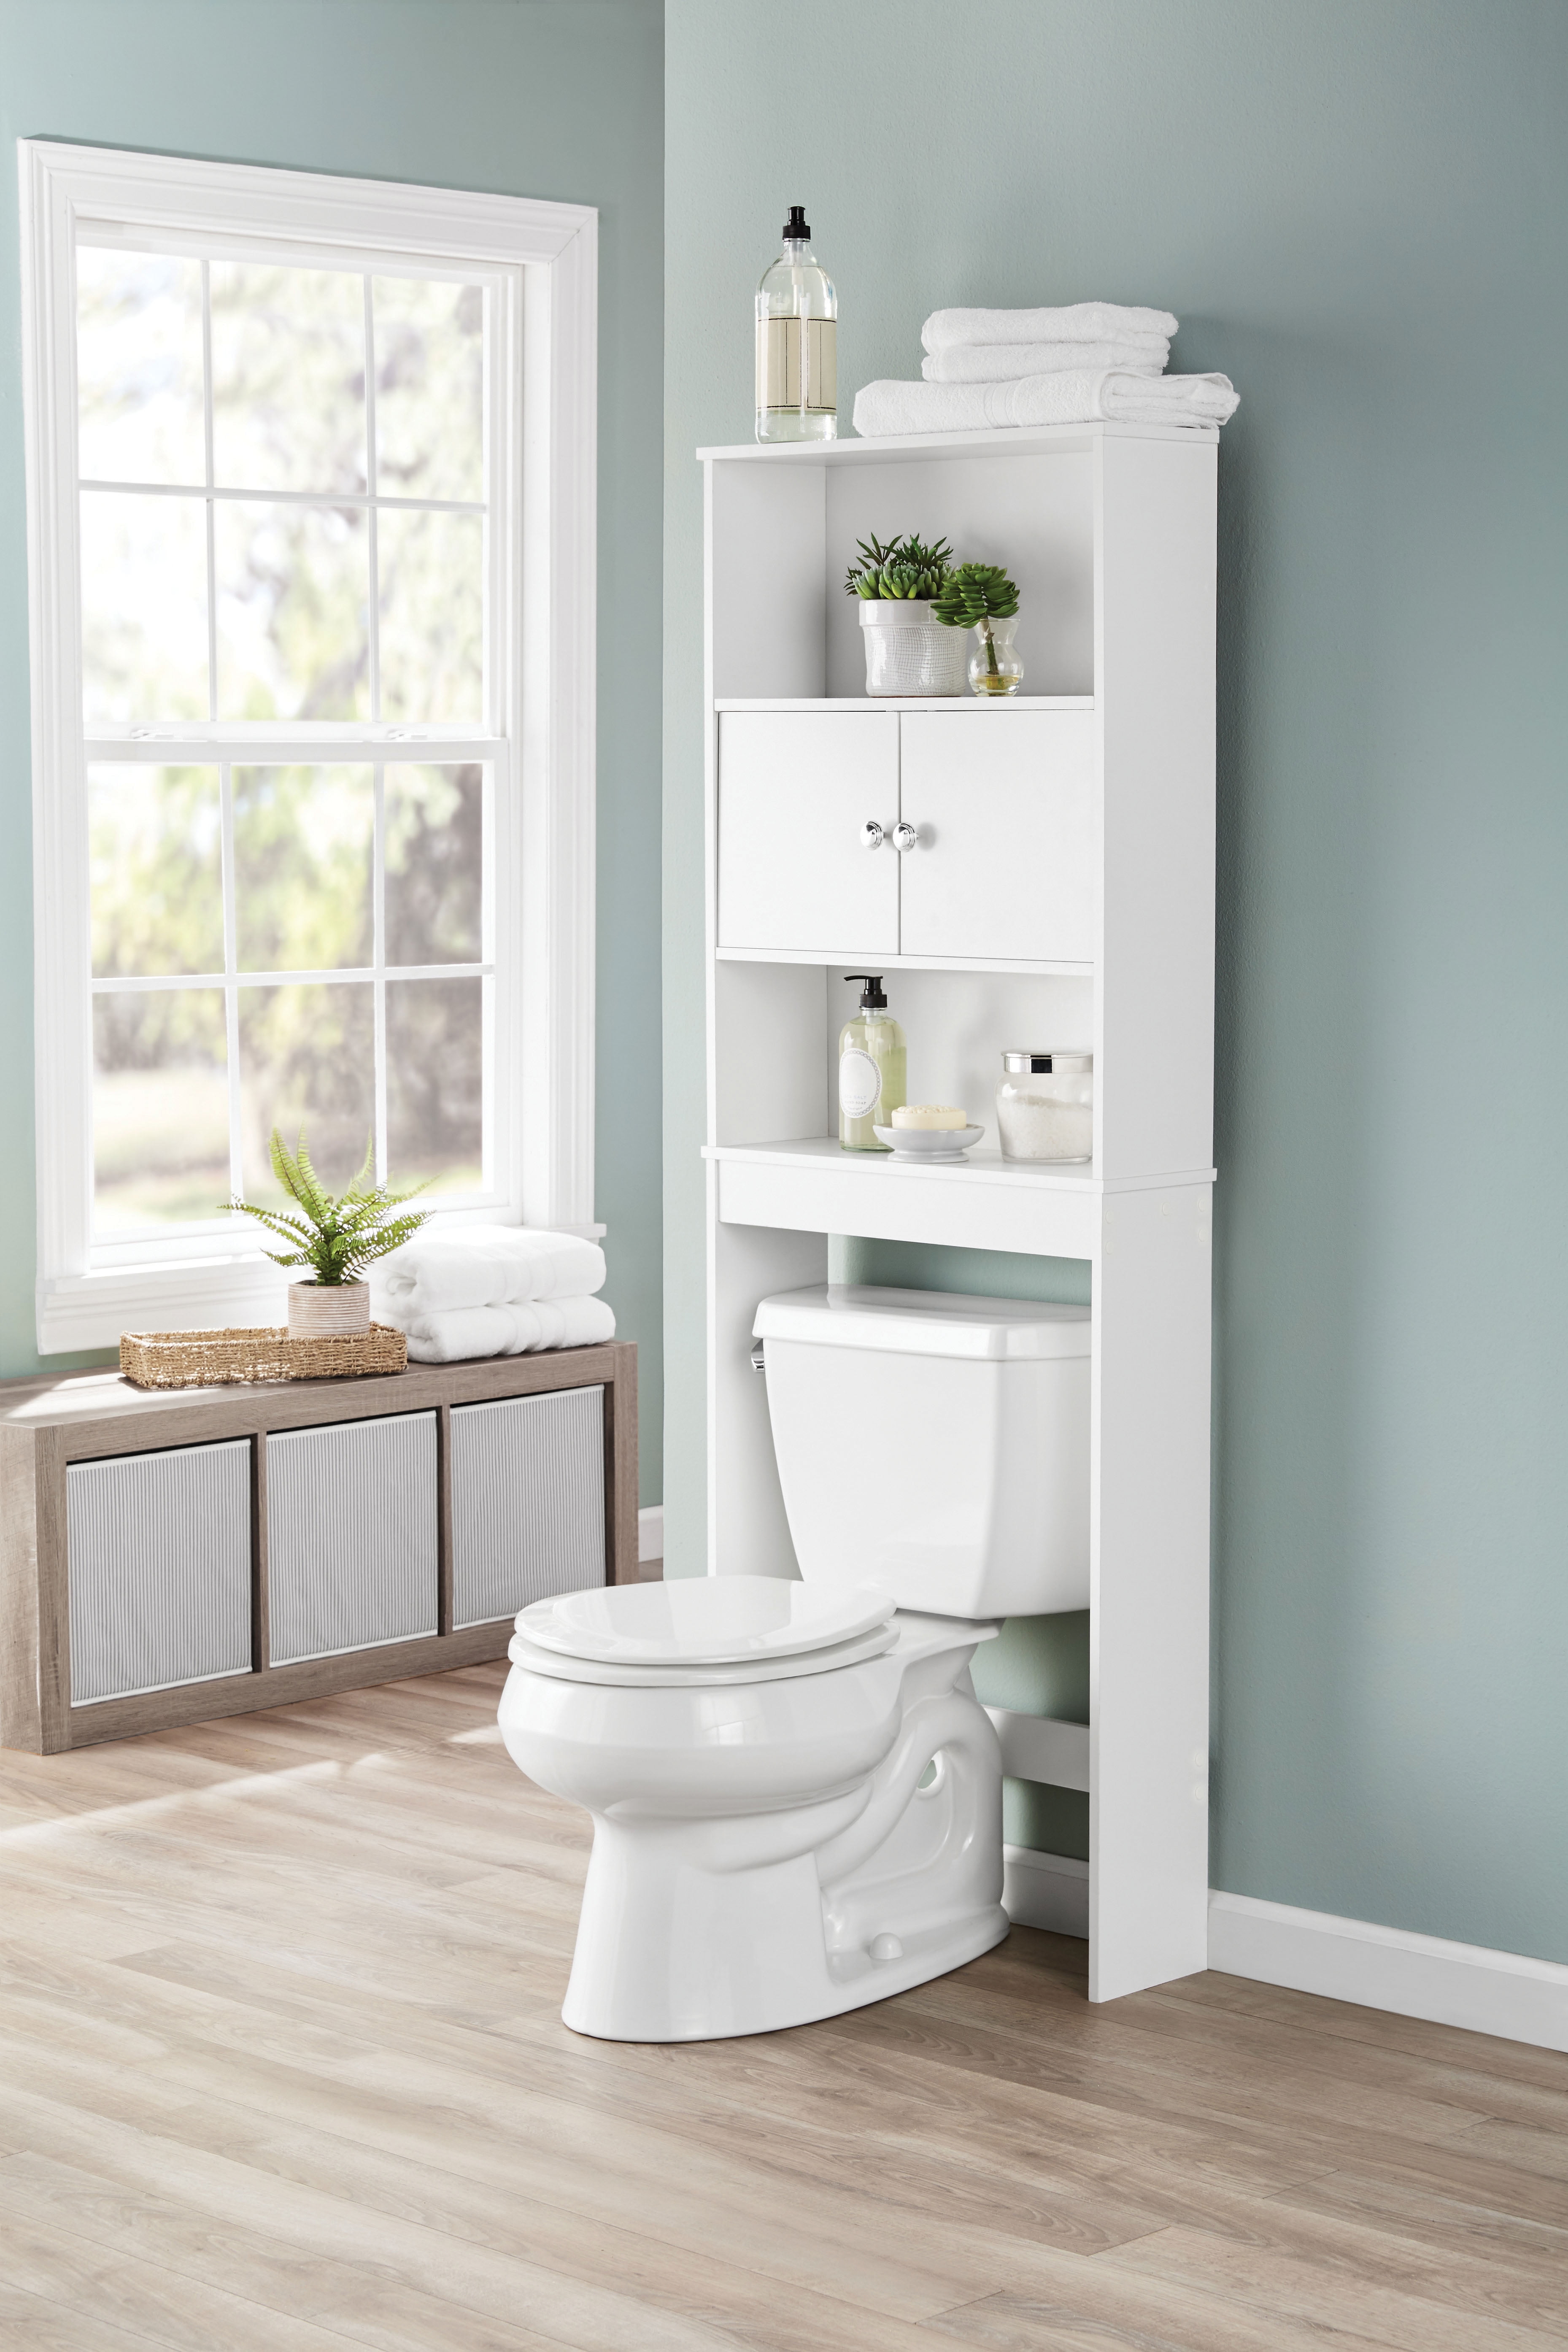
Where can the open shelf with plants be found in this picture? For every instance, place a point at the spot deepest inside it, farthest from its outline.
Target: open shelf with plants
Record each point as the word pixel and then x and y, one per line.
pixel 1036 871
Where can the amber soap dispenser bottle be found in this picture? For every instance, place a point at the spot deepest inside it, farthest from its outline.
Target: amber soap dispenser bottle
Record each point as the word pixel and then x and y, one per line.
pixel 872 1068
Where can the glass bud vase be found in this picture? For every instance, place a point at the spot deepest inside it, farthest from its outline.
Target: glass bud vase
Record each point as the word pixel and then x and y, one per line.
pixel 994 665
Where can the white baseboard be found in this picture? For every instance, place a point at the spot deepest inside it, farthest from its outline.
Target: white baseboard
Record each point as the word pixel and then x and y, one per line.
pixel 1503 1993
pixel 650 1532
pixel 1044 1890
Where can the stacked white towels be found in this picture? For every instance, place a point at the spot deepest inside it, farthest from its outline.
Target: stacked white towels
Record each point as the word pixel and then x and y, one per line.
pixel 491 1290
pixel 1085 363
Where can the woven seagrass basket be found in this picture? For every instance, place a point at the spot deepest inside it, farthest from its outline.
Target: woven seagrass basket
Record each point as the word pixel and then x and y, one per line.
pixel 199 1359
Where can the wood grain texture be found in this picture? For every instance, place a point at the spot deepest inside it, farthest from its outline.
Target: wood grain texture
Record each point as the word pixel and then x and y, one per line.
pixel 621 1467
pixel 20 1724
pixel 281 2069
pixel 54 1588
pixel 106 1415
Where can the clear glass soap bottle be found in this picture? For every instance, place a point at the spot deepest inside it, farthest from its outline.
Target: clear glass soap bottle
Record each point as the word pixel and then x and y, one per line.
pixel 872 1069
pixel 797 343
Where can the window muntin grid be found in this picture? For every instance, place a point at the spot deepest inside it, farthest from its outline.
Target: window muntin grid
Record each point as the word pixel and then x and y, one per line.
pixel 397 999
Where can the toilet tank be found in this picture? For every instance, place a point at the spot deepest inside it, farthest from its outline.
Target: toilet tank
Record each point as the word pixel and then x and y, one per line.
pixel 934 1446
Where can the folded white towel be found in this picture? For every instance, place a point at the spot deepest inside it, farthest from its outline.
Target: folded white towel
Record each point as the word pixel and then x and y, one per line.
pixel 1078 323
pixel 1069 397
pixel 1006 363
pixel 481 1266
pixel 515 1330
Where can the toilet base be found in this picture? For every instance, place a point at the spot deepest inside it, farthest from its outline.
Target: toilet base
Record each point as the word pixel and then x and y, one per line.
pixel 924 1957
pixel 690 1934
pixel 666 1952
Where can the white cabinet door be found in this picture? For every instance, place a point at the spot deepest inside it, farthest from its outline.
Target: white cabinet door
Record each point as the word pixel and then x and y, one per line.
pixel 795 789
pixel 1007 855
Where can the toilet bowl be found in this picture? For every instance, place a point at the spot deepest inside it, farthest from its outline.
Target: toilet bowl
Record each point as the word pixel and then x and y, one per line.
pixel 795 1794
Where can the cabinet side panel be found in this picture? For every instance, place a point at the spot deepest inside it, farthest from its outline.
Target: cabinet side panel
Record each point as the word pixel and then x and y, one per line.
pixel 19 1573
pixel 767 583
pixel 1149 1625
pixel 1156 1052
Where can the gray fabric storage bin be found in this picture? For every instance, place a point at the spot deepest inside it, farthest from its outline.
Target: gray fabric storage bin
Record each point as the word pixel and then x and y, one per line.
pixel 528 1501
pixel 158 1550
pixel 352 1555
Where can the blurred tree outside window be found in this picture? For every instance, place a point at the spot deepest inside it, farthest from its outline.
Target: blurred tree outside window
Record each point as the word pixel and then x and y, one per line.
pixel 285 536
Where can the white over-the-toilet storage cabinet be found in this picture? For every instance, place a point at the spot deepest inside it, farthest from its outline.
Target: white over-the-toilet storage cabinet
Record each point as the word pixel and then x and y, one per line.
pixel 1055 887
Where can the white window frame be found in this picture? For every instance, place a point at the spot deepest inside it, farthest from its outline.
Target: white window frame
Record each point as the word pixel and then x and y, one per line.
pixel 543 709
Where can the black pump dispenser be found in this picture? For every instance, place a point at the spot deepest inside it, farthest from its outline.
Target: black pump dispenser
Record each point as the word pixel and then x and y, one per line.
pixel 796 231
pixel 872 1000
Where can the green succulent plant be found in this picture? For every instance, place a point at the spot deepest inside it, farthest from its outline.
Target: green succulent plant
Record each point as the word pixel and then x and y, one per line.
pixel 905 567
pixel 336 1238
pixel 972 597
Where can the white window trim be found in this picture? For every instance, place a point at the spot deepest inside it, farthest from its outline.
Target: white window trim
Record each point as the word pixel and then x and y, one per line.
pixel 548 870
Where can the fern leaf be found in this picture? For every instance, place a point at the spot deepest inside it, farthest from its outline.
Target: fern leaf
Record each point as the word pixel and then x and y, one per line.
pixel 316 1199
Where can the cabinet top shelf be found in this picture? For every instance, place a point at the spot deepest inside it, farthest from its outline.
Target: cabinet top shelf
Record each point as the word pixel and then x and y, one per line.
pixel 1003 441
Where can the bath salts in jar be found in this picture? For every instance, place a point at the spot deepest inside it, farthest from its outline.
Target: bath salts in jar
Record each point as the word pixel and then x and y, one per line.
pixel 1045 1106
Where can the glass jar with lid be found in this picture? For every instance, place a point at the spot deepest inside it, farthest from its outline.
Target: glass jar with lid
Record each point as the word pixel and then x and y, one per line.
pixel 1044 1105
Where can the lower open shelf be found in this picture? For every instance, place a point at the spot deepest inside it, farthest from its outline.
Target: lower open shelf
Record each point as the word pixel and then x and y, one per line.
pixel 979 1166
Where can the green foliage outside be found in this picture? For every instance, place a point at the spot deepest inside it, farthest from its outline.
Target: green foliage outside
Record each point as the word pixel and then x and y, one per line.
pixel 294 595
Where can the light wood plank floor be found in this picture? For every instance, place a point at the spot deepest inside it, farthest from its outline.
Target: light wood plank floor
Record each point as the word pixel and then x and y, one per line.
pixel 281 2068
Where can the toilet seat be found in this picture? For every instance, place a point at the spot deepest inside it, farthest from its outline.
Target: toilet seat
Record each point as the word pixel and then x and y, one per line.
pixel 616 1674
pixel 747 1621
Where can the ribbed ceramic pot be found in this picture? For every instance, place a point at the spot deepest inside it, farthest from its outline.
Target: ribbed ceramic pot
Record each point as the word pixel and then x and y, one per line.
pixel 329 1310
pixel 908 651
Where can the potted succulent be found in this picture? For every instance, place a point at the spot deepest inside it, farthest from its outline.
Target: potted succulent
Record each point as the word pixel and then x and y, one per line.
pixel 337 1239
pixel 981 597
pixel 897 584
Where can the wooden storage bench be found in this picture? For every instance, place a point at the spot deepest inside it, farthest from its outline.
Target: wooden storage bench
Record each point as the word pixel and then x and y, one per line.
pixel 168 1556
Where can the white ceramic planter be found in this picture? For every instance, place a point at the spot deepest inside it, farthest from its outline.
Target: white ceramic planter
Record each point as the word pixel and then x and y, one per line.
pixel 909 652
pixel 332 1311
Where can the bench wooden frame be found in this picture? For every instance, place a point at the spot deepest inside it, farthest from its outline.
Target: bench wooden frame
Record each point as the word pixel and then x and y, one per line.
pixel 46 1424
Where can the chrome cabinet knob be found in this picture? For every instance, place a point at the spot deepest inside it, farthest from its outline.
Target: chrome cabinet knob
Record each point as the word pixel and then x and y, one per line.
pixel 871 834
pixel 904 834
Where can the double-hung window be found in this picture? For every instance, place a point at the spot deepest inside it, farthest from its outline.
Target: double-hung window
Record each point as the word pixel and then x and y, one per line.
pixel 311 511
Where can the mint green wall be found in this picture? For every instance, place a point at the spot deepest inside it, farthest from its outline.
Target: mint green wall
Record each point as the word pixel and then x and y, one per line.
pixel 1361 213
pixel 538 98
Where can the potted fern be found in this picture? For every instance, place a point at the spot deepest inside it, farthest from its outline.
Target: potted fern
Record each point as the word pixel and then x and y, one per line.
pixel 337 1239
pixel 981 597
pixel 906 653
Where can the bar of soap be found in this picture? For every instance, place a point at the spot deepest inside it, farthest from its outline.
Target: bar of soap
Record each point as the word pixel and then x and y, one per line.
pixel 929 1115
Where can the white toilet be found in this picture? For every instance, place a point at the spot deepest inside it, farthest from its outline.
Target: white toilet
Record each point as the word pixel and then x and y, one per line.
pixel 796 1795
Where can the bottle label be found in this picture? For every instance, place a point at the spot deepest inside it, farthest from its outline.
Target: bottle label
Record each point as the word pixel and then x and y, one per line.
pixel 859 1084
pixel 779 349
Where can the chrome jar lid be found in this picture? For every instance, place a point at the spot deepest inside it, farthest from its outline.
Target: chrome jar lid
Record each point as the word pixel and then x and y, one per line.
pixel 1016 1059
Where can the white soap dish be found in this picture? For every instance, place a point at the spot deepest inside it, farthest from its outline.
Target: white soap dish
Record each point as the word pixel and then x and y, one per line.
pixel 928 1143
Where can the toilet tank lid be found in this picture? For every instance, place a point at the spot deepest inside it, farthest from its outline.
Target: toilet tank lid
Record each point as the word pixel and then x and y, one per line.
pixel 924 1323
